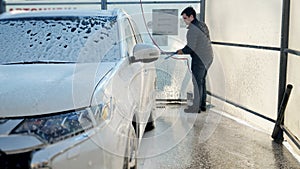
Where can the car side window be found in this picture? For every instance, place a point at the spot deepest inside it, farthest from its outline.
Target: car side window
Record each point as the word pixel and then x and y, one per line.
pixel 129 38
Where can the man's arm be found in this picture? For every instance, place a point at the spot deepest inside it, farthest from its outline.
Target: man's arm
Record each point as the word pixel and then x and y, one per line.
pixel 192 40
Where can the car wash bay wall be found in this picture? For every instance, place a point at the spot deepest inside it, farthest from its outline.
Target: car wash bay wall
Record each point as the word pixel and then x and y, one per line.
pixel 245 77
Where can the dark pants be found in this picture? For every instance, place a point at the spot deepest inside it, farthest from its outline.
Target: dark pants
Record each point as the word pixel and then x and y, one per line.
pixel 199 81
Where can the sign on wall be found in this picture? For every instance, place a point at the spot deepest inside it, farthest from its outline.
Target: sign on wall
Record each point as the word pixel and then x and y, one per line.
pixel 43 5
pixel 165 21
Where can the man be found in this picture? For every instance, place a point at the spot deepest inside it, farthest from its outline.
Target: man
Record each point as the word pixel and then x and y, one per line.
pixel 200 49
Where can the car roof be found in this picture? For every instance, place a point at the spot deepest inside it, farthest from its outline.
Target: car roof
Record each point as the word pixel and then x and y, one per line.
pixel 112 12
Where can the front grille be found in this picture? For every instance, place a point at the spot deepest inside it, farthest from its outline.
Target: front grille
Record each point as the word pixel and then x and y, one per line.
pixel 15 161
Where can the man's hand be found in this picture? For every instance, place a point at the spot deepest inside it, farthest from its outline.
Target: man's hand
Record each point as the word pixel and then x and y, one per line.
pixel 179 52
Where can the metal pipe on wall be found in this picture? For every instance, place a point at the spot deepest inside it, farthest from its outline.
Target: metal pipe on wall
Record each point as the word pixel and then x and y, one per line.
pixel 283 54
pixel 2 6
pixel 202 10
pixel 104 4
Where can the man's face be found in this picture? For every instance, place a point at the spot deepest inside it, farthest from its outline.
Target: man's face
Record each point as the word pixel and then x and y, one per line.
pixel 187 19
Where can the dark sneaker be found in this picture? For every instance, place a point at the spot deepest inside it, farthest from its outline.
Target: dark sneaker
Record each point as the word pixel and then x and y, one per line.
pixel 202 108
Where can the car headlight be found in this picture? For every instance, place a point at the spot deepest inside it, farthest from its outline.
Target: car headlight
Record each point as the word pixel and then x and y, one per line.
pixel 61 126
pixel 102 113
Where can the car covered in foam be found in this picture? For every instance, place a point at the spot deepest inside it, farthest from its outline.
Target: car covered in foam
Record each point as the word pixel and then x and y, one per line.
pixel 77 89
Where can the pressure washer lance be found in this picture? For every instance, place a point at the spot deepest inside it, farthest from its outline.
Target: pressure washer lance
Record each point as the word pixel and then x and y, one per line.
pixel 170 54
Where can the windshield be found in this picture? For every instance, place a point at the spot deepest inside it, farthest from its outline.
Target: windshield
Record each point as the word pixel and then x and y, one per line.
pixel 59 39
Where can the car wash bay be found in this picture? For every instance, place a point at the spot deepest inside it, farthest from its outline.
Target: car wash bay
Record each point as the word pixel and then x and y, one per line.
pixel 257 49
pixel 256 54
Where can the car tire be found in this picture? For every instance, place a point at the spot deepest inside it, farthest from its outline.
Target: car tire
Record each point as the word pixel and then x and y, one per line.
pixel 130 158
pixel 150 124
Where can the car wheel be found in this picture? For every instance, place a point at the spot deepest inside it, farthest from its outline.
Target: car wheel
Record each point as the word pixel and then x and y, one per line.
pixel 130 158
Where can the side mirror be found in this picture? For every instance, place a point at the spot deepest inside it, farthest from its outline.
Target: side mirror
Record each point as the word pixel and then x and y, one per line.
pixel 144 53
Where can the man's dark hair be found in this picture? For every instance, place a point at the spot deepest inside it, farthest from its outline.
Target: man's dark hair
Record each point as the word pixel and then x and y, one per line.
pixel 189 11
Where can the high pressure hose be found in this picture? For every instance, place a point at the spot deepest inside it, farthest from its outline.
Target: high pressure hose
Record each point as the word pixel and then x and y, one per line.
pixel 170 54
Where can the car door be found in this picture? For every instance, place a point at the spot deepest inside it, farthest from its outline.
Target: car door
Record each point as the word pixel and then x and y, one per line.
pixel 142 77
pixel 149 73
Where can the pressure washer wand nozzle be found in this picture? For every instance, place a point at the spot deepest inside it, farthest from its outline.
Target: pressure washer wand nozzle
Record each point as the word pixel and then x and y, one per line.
pixel 170 55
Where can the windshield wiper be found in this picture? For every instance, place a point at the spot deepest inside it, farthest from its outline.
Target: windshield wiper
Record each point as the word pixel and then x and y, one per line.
pixel 38 62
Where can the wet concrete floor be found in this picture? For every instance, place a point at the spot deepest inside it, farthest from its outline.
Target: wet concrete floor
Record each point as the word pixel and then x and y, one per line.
pixel 209 140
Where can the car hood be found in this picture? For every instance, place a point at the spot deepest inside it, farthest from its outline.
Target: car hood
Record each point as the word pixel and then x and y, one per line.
pixel 37 89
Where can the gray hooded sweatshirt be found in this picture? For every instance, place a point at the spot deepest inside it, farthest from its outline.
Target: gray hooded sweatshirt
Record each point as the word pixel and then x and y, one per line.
pixel 199 44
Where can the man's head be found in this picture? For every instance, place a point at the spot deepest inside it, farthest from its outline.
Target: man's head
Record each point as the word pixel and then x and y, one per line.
pixel 188 15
